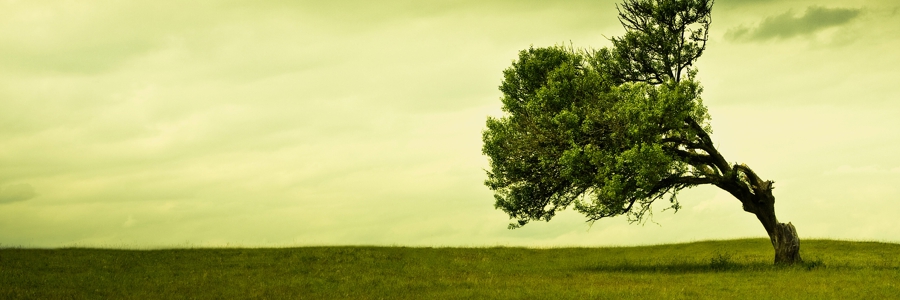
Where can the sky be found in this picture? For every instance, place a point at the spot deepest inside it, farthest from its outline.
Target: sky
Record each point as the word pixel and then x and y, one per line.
pixel 148 124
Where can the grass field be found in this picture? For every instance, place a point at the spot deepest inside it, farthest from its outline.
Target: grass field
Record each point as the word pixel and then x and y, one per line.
pixel 713 269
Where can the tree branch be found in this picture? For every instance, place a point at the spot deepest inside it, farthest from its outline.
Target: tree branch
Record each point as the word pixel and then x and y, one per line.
pixel 754 179
pixel 679 182
pixel 699 161
pixel 683 142
pixel 660 189
pixel 720 162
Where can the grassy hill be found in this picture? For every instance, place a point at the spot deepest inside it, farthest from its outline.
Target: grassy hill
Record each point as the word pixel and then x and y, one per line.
pixel 712 269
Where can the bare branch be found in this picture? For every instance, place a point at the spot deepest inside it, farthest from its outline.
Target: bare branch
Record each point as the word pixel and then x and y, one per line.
pixel 746 170
pixel 708 146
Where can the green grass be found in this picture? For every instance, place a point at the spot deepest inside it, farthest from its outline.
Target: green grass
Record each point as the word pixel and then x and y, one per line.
pixel 713 269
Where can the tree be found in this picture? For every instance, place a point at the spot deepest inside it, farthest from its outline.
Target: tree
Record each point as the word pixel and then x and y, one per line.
pixel 613 130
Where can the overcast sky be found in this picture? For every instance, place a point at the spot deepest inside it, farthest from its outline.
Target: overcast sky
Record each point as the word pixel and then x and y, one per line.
pixel 236 123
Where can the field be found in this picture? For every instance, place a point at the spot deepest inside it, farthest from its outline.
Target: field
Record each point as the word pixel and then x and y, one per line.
pixel 712 269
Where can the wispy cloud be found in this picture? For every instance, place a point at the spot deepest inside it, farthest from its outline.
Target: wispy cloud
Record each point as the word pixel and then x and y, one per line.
pixel 16 192
pixel 787 25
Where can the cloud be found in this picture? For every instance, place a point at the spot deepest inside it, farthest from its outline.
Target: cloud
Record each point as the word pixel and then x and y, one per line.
pixel 786 25
pixel 741 3
pixel 16 193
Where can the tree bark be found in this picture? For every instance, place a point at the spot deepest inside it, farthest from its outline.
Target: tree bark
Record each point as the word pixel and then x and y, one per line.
pixel 783 236
pixel 742 182
pixel 786 243
pixel 756 197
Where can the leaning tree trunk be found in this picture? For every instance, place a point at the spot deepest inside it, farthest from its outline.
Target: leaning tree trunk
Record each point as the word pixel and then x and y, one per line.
pixel 783 236
pixel 756 197
pixel 754 193
pixel 786 243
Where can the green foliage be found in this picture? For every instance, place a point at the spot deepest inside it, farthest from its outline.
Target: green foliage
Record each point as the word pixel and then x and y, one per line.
pixel 570 133
pixel 722 262
pixel 844 270
pixel 583 129
pixel 663 39
pixel 812 264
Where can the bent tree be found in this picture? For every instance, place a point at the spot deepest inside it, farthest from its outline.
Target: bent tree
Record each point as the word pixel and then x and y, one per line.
pixel 613 130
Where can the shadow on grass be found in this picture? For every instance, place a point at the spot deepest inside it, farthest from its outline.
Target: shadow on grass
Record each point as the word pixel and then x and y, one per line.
pixel 677 268
pixel 718 263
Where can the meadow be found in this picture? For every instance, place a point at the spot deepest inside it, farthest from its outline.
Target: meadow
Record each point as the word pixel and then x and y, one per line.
pixel 709 269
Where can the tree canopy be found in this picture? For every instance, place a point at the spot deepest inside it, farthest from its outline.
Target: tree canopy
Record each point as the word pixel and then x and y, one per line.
pixel 590 128
pixel 574 136
pixel 613 130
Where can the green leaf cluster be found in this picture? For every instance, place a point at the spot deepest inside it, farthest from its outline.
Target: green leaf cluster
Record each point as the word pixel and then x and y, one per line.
pixel 574 135
pixel 663 38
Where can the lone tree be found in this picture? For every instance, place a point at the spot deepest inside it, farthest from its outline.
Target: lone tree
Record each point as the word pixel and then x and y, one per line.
pixel 611 131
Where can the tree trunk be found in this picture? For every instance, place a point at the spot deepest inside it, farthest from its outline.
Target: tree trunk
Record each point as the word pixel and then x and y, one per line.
pixel 786 243
pixel 783 236
pixel 756 197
